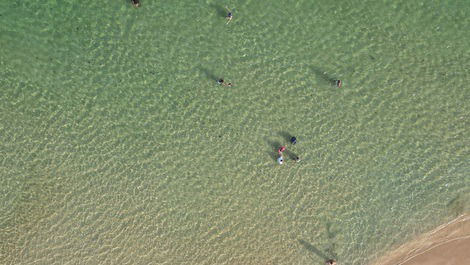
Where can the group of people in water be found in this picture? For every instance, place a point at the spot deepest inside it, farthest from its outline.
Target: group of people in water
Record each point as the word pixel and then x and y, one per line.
pixel 293 140
pixel 282 150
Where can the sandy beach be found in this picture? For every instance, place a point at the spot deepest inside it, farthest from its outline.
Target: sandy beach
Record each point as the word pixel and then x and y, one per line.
pixel 449 244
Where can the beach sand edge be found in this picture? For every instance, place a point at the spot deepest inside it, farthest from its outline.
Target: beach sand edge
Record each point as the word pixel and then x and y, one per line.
pixel 447 244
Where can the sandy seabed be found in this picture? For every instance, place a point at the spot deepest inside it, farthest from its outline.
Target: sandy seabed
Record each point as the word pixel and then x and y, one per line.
pixel 448 244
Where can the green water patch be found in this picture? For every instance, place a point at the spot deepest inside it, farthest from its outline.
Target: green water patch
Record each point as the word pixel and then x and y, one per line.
pixel 118 146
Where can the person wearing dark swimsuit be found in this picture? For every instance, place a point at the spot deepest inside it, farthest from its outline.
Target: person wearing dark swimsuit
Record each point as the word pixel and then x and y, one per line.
pixel 293 140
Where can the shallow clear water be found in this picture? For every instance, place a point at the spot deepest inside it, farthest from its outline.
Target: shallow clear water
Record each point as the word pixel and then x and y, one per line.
pixel 118 147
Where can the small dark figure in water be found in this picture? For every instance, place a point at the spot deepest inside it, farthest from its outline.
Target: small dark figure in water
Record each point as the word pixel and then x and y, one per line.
pixel 136 3
pixel 229 15
pixel 331 262
pixel 222 82
pixel 293 140
pixel 297 159
pixel 338 83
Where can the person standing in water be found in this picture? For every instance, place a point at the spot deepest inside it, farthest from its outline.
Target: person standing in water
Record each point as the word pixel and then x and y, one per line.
pixel 338 83
pixel 281 149
pixel 229 15
pixel 136 3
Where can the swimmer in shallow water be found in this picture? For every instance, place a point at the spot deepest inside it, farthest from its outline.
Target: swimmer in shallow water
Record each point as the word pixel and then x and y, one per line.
pixel 331 262
pixel 223 83
pixel 136 3
pixel 229 15
pixel 338 83
pixel 293 140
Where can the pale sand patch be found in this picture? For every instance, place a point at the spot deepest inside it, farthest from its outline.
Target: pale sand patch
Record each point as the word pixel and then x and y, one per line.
pixel 449 244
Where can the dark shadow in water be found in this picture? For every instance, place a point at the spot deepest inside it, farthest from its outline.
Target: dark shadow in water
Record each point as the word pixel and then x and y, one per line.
pixel 323 75
pixel 209 74
pixel 273 155
pixel 331 237
pixel 221 11
pixel 313 249
pixel 129 2
pixel 286 136
pixel 274 146
pixel 290 154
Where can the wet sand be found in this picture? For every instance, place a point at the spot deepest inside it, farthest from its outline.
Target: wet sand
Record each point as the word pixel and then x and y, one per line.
pixel 449 244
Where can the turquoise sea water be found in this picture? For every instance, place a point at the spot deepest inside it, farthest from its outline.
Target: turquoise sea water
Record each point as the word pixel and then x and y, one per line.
pixel 118 147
